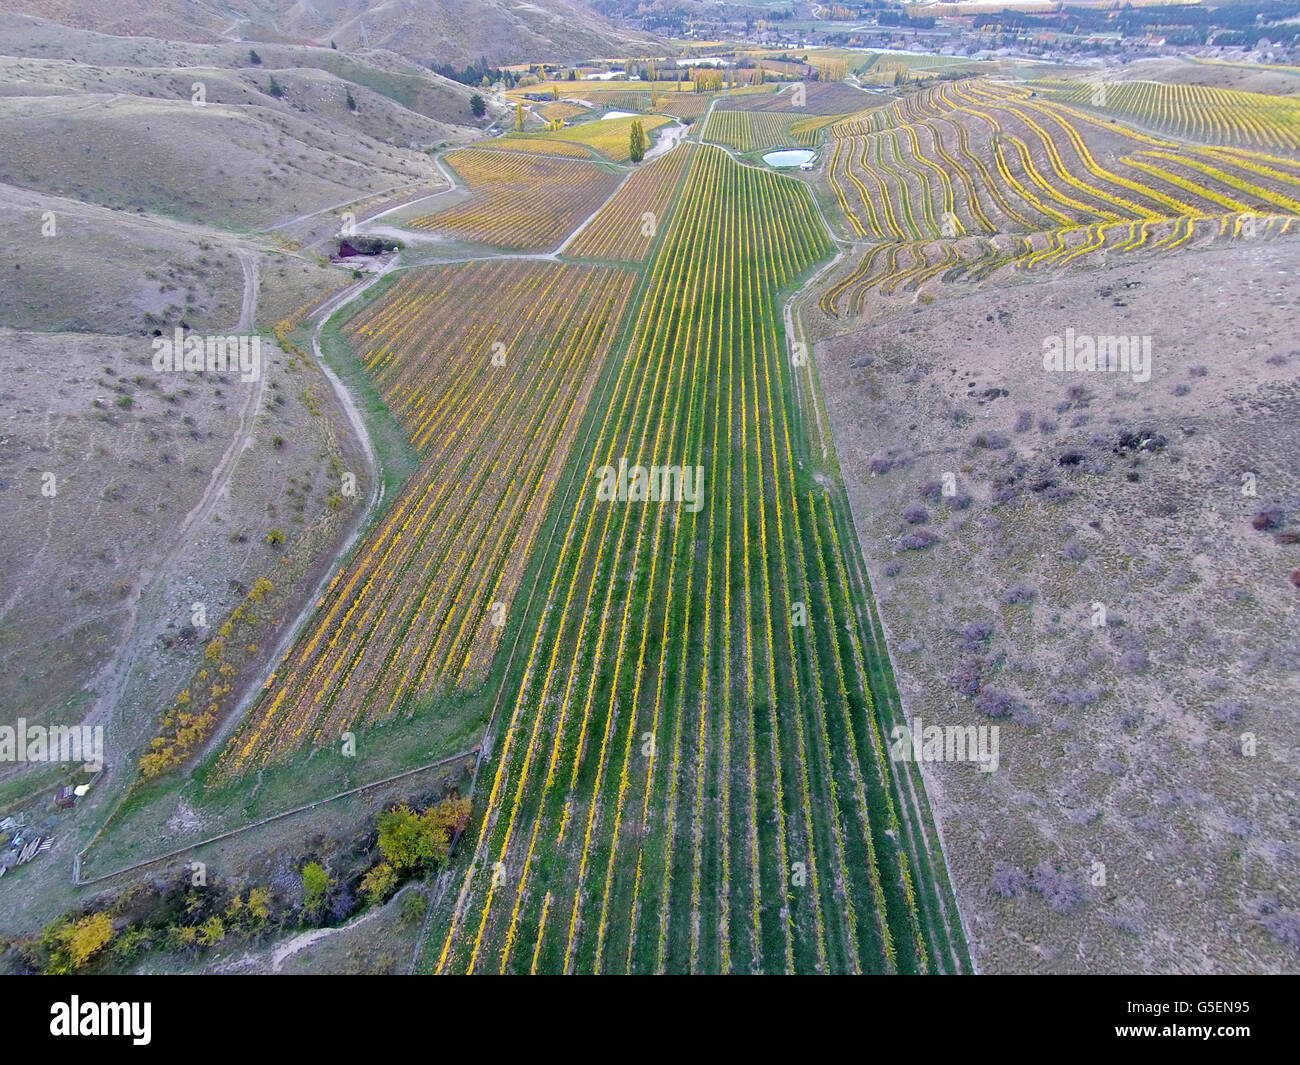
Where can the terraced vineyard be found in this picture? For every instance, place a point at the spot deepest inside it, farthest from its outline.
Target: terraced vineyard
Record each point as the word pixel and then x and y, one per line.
pixel 624 229
pixel 520 201
pixel 491 402
pixel 688 773
pixel 1198 112
pixel 971 178
pixel 905 266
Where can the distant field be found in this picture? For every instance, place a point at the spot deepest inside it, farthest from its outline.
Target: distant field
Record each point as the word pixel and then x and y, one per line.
pixel 747 131
pixel 663 97
pixel 520 201
pixel 608 136
pixel 536 144
pixel 808 98
pixel 562 109
pixel 687 106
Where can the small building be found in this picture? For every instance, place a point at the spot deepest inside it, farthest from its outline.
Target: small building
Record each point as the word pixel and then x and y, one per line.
pixel 66 798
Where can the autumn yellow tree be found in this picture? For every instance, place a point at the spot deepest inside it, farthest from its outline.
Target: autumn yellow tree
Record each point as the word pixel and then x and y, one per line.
pixel 259 903
pixel 73 943
pixel 378 884
pixel 410 841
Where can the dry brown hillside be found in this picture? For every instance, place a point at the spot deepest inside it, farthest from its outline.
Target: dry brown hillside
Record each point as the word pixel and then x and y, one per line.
pixel 217 134
pixel 448 31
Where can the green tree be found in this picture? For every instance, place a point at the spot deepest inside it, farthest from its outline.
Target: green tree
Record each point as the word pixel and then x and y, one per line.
pixel 413 907
pixel 275 89
pixel 519 117
pixel 637 141
pixel 316 885
pixel 254 58
pixel 352 104
pixel 477 105
pixel 182 936
pixel 129 945
pixel 402 839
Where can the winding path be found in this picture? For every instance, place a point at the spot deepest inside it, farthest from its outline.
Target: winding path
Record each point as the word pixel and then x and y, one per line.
pixel 112 680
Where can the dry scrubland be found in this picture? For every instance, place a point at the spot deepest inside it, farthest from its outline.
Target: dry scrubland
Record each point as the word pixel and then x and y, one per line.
pixel 1125 828
pixel 103 271
pixel 134 454
pixel 161 505
pixel 67 597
